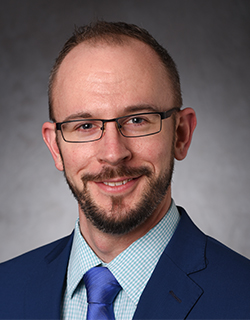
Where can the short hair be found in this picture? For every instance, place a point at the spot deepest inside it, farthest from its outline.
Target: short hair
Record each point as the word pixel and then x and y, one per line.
pixel 115 32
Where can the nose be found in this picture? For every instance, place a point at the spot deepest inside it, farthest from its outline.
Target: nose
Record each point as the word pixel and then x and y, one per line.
pixel 113 147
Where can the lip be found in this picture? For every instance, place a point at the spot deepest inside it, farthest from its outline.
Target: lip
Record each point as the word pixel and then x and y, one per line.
pixel 117 183
pixel 120 185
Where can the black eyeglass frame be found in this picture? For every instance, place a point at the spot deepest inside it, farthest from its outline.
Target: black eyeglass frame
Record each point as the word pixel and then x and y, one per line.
pixel 163 115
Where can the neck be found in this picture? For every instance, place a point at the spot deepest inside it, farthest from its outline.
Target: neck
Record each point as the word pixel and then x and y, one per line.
pixel 108 246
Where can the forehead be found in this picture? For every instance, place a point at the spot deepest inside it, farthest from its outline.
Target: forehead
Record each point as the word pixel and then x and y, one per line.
pixel 108 77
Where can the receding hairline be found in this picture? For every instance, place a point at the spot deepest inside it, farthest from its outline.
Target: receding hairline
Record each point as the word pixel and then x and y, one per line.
pixel 106 42
pixel 116 37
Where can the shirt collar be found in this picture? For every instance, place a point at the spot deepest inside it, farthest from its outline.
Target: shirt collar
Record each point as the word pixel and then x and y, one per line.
pixel 134 266
pixel 82 258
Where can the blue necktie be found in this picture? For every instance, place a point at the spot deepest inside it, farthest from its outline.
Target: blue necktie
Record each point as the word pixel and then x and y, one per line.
pixel 102 288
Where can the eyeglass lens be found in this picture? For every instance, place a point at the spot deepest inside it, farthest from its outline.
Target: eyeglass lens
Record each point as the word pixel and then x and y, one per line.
pixel 129 126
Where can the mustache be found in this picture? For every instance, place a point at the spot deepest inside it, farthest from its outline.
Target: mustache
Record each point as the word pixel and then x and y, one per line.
pixel 121 171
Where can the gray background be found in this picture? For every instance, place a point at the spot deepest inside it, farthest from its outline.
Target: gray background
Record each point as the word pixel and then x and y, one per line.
pixel 209 40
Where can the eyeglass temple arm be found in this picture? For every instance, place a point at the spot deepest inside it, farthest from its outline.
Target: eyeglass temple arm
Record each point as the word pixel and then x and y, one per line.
pixel 167 114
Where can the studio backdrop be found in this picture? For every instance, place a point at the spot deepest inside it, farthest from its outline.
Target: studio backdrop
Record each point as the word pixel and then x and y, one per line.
pixel 210 42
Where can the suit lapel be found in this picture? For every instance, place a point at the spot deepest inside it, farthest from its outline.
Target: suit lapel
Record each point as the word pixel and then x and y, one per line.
pixel 43 300
pixel 170 292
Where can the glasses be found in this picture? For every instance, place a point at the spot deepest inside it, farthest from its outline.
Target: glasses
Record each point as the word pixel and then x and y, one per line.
pixel 131 126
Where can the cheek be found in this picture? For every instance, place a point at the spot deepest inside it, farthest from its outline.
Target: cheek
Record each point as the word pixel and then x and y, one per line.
pixel 155 152
pixel 75 159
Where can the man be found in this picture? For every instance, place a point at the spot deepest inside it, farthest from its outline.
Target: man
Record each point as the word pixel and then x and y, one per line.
pixel 117 125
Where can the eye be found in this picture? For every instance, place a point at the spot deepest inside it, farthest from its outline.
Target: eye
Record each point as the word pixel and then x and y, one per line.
pixel 86 126
pixel 137 120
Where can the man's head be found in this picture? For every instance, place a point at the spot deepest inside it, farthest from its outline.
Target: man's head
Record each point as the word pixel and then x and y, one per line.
pixel 121 183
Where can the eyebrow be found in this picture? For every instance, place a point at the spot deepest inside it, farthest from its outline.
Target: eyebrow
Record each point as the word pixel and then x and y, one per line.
pixel 127 110
pixel 78 115
pixel 141 107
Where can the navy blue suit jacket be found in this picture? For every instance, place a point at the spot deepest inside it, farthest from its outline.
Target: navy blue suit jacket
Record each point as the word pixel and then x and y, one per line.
pixel 195 278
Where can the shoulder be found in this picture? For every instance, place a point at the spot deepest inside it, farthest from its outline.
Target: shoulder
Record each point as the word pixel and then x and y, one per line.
pixel 225 282
pixel 226 262
pixel 25 263
pixel 35 253
pixel 205 246
pixel 34 279
pixel 203 257
pixel 222 274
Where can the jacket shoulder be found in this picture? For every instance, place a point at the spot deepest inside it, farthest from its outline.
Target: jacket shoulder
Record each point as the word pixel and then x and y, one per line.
pixel 233 265
pixel 224 277
pixel 34 279
pixel 31 258
pixel 14 272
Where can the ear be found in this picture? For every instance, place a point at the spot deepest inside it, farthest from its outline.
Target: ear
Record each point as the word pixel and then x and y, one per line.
pixel 49 137
pixel 185 125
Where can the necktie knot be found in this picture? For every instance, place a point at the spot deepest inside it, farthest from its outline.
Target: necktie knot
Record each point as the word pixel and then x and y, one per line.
pixel 102 288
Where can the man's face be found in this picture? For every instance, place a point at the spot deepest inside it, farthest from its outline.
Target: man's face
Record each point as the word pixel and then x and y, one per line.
pixel 119 182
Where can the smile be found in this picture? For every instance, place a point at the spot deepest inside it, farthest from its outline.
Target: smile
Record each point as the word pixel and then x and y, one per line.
pixel 117 183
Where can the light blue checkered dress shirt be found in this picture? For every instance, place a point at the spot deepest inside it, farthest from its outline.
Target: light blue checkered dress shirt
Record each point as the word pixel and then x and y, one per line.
pixel 132 269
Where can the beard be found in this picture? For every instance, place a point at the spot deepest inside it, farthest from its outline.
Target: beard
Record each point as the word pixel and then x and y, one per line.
pixel 118 219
